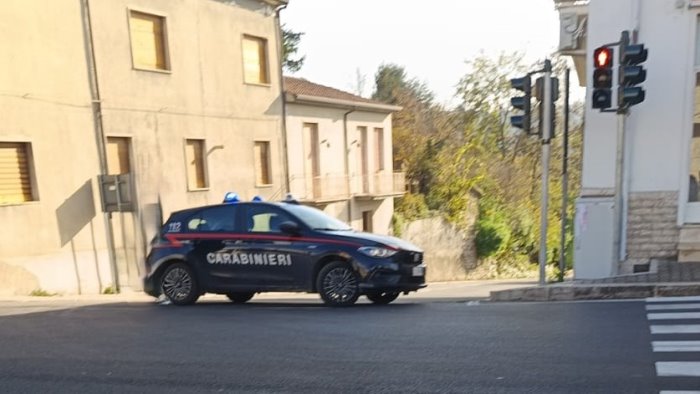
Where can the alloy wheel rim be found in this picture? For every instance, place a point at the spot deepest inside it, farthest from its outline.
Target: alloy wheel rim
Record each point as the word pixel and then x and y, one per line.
pixel 177 284
pixel 340 284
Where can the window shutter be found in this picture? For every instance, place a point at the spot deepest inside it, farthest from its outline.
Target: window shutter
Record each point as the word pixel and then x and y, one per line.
pixel 148 41
pixel 262 163
pixel 255 60
pixel 15 179
pixel 195 164
pixel 118 155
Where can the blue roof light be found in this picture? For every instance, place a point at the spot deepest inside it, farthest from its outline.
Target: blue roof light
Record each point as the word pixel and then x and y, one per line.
pixel 231 197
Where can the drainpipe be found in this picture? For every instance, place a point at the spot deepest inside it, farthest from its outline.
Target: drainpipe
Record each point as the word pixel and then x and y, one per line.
pixel 99 131
pixel 285 145
pixel 346 159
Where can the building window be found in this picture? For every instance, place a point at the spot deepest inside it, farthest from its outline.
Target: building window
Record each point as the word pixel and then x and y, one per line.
pixel 196 169
pixel 118 161
pixel 16 179
pixel 379 146
pixel 263 175
pixel 255 60
pixel 148 41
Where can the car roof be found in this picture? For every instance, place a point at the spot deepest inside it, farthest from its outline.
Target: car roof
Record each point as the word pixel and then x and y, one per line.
pixel 242 203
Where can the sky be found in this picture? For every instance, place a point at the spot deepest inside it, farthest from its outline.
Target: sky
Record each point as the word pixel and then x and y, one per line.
pixel 430 39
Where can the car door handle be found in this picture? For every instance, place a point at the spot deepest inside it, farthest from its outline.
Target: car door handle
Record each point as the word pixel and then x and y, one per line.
pixel 231 243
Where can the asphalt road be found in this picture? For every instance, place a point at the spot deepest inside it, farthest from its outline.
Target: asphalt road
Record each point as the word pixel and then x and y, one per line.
pixel 303 347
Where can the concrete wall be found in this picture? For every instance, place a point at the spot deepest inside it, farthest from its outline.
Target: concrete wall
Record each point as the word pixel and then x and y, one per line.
pixel 46 100
pixel 450 254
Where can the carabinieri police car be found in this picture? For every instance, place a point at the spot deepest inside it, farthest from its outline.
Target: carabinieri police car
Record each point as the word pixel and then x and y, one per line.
pixel 244 248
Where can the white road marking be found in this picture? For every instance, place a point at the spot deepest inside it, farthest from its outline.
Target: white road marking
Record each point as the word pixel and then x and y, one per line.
pixel 676 346
pixel 663 307
pixel 678 368
pixel 678 392
pixel 673 316
pixel 676 329
pixel 673 299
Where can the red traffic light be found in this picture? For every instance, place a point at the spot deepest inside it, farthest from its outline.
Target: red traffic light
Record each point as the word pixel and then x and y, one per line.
pixel 603 57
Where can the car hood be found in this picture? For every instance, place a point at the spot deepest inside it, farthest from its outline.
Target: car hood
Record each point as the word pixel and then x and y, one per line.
pixel 387 240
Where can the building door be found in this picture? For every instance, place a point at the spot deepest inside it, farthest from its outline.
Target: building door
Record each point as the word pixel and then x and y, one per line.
pixel 367 221
pixel 312 162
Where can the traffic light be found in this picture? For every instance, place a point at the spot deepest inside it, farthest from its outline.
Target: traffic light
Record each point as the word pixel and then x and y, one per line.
pixel 539 95
pixel 630 73
pixel 602 77
pixel 521 103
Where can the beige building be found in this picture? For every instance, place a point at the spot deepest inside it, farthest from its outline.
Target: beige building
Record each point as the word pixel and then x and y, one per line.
pixel 183 98
pixel 340 154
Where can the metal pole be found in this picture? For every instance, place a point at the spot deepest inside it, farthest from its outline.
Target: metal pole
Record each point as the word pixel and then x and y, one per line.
pixel 546 136
pixel 564 178
pixel 99 132
pixel 618 249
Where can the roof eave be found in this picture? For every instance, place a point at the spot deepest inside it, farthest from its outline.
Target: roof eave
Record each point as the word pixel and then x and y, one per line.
pixel 275 3
pixel 339 103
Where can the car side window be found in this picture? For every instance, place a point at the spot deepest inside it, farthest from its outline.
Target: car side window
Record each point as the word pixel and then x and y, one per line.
pixel 265 219
pixel 219 219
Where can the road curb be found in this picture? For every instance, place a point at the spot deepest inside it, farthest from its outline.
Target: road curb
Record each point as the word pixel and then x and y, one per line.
pixel 571 292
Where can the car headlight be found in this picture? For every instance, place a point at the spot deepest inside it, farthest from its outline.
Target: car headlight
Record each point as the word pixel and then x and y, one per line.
pixel 375 251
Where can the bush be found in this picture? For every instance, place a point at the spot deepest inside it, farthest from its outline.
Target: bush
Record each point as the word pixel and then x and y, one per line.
pixel 41 293
pixel 492 235
pixel 412 207
pixel 109 290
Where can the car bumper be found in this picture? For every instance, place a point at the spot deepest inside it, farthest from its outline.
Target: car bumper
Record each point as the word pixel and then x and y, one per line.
pixel 150 287
pixel 402 281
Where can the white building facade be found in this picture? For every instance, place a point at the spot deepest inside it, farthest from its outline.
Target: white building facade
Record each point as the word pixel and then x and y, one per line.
pixel 661 205
pixel 339 152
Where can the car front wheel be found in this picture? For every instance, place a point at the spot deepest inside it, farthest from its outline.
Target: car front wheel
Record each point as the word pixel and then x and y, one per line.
pixel 382 298
pixel 179 285
pixel 337 284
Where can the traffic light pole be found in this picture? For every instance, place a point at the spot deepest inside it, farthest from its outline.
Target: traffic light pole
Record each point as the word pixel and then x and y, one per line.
pixel 619 245
pixel 546 137
pixel 564 178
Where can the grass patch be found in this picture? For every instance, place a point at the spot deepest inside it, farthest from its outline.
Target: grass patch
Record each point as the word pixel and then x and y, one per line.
pixel 41 293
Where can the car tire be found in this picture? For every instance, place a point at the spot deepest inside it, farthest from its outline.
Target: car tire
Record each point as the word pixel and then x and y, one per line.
pixel 337 284
pixel 382 297
pixel 179 284
pixel 240 297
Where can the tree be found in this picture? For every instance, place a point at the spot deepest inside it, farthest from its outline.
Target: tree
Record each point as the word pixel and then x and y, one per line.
pixel 449 153
pixel 290 46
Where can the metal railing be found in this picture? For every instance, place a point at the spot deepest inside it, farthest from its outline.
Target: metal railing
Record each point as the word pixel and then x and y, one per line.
pixel 335 187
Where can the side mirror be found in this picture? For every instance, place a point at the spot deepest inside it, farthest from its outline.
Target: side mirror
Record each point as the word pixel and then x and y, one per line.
pixel 290 227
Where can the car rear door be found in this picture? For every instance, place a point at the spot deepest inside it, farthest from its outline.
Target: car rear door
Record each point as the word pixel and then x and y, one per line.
pixel 216 244
pixel 275 259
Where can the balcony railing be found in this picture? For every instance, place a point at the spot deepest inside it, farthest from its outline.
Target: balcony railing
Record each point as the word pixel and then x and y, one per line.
pixel 321 188
pixel 335 187
pixel 381 184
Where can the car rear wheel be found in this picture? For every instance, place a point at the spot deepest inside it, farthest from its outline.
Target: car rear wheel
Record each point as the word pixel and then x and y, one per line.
pixel 240 297
pixel 179 285
pixel 382 297
pixel 337 284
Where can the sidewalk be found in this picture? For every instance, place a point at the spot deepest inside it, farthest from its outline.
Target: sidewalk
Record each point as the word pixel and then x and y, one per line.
pixel 436 291
pixel 600 291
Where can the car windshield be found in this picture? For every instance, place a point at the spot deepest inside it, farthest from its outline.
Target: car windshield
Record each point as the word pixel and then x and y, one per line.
pixel 317 219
